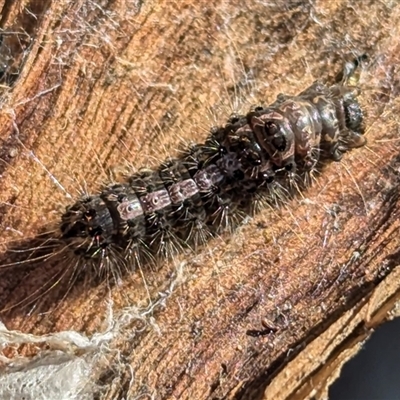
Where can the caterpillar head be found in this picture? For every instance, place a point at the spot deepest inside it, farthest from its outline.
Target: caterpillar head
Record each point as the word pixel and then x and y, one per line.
pixel 354 136
pixel 353 114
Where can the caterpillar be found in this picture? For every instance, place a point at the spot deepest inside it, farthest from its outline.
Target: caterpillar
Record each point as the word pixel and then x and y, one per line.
pixel 266 155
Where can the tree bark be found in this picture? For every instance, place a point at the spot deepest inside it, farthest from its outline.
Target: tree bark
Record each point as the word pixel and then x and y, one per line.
pixel 271 311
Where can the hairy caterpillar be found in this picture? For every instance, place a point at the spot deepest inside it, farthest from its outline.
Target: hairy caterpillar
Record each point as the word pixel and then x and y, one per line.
pixel 267 154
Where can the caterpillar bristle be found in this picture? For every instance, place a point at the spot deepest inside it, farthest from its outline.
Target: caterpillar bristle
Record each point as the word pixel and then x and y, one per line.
pixel 265 156
pixel 262 158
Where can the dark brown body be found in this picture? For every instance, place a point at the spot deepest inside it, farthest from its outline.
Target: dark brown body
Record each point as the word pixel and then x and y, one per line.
pixel 214 184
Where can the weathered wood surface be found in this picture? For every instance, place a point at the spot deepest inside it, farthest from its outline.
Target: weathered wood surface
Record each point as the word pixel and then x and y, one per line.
pixel 104 81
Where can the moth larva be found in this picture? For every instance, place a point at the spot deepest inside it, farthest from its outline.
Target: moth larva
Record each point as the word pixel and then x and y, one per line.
pixel 213 185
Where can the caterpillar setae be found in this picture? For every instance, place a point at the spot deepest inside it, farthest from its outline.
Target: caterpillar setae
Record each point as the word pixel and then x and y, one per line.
pixel 266 155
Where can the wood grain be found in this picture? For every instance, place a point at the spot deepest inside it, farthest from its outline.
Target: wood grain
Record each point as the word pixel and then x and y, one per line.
pixel 101 82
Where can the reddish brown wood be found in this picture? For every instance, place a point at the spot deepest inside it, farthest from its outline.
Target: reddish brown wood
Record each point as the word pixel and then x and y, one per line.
pixel 105 81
